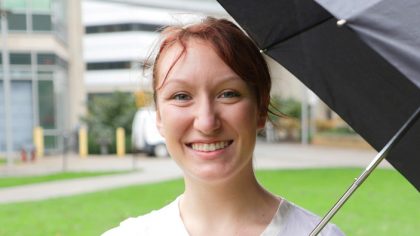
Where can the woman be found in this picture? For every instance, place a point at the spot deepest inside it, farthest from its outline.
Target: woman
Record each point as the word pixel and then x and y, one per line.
pixel 212 91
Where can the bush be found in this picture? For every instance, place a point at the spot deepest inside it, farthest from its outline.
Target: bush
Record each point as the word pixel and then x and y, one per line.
pixel 288 128
pixel 335 126
pixel 106 113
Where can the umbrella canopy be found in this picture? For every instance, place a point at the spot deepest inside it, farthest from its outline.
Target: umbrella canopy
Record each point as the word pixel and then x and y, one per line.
pixel 367 71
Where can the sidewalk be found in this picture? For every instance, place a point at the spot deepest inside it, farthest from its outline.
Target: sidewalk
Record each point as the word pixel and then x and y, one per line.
pixel 267 156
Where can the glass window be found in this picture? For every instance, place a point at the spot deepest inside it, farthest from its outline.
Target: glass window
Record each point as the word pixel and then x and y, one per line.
pixel 45 59
pixel 50 142
pixel 61 62
pixel 14 4
pixel 46 104
pixel 59 13
pixel 122 28
pixel 41 22
pixel 42 75
pixel 16 21
pixel 20 58
pixel 41 5
pixel 109 65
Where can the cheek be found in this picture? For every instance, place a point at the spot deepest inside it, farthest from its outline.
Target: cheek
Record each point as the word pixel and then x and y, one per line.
pixel 246 116
pixel 174 122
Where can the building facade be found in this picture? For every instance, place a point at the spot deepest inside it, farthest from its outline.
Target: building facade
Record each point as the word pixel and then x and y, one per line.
pixel 41 79
pixel 120 35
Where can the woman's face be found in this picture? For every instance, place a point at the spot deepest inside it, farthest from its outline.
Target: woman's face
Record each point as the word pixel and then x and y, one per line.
pixel 207 114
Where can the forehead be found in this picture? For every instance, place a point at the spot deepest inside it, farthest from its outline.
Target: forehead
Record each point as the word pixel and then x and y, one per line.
pixel 193 56
pixel 179 49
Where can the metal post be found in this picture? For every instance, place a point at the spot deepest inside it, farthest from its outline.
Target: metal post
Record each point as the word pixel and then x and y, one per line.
pixel 7 87
pixel 304 117
pixel 369 169
pixel 65 144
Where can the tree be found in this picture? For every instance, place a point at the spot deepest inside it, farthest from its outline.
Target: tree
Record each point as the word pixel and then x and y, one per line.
pixel 288 126
pixel 105 114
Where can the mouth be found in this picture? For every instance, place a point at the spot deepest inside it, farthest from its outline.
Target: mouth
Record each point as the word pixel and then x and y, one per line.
pixel 210 147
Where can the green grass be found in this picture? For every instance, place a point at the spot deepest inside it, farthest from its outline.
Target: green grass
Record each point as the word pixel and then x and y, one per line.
pixel 385 205
pixel 24 180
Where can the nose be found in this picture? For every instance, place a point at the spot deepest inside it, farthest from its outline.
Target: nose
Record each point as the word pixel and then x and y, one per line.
pixel 207 118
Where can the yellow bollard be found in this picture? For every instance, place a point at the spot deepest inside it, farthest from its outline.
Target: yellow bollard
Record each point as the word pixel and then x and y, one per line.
pixel 38 136
pixel 83 142
pixel 120 142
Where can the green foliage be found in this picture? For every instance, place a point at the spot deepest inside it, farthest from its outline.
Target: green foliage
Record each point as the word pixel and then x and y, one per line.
pixel 342 130
pixel 105 115
pixel 94 148
pixel 289 120
pixel 386 204
pixel 289 107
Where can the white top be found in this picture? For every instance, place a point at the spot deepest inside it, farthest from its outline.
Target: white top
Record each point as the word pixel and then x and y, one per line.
pixel 290 220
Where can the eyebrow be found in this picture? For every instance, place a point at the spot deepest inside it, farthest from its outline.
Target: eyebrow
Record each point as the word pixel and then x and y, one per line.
pixel 180 80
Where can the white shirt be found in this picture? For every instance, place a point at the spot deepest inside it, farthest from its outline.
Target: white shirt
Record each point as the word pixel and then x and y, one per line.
pixel 289 220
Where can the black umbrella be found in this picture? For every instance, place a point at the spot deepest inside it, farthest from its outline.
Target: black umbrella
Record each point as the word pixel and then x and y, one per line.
pixel 361 57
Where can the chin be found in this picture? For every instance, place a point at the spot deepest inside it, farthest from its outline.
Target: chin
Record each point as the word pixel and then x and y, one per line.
pixel 213 174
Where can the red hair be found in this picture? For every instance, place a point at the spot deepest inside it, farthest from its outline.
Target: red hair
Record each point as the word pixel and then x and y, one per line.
pixel 231 45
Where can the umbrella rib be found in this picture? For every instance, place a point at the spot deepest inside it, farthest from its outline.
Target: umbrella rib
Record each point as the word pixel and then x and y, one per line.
pixel 295 34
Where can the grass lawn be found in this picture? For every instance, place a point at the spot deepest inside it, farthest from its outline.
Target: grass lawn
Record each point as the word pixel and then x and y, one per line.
pixel 16 181
pixel 385 205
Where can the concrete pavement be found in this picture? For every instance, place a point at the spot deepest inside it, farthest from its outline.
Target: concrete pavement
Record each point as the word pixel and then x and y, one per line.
pixel 266 156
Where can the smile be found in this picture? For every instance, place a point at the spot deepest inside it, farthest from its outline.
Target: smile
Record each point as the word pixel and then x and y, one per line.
pixel 210 147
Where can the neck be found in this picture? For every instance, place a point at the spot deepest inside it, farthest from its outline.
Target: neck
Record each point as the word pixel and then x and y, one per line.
pixel 241 198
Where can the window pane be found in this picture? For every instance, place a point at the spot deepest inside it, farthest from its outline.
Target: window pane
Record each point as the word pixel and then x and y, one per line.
pixel 50 142
pixel 16 21
pixel 46 104
pixel 14 4
pixel 61 62
pixel 109 65
pixel 20 58
pixel 41 22
pixel 59 12
pixel 49 75
pixel 41 5
pixel 45 59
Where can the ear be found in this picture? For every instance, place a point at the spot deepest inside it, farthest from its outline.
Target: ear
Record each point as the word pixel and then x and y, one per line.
pixel 159 123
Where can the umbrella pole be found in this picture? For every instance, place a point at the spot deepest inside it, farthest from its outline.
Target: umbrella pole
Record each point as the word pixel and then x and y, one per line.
pixel 369 169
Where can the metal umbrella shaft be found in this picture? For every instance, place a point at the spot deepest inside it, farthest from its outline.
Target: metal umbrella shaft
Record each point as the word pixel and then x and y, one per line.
pixel 369 169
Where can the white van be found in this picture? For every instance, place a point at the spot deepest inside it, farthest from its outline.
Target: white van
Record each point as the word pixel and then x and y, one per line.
pixel 145 135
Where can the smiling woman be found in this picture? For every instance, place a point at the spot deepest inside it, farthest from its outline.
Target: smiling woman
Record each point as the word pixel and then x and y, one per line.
pixel 212 91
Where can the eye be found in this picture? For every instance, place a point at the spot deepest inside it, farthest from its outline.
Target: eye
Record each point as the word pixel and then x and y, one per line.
pixel 181 97
pixel 229 94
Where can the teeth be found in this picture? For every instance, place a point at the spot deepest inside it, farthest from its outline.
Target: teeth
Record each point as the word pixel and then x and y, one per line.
pixel 209 147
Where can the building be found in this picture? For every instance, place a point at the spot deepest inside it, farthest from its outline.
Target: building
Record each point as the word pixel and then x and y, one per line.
pixel 41 79
pixel 120 35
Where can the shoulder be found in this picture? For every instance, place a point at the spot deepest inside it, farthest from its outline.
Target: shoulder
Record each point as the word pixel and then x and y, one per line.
pixel 302 220
pixel 148 224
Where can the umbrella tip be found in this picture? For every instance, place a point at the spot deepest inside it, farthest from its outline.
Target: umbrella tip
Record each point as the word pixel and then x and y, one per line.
pixel 341 22
pixel 263 50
